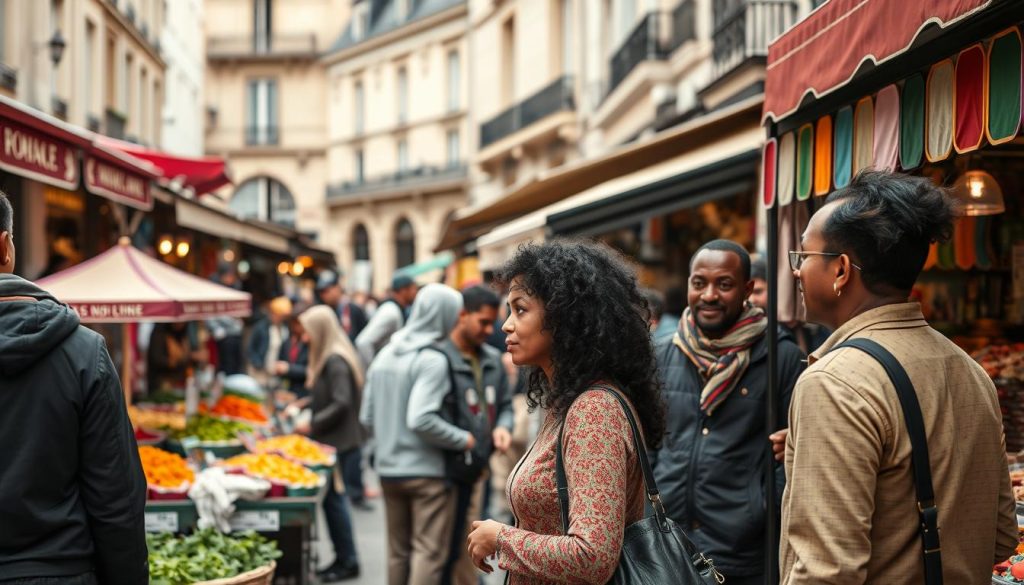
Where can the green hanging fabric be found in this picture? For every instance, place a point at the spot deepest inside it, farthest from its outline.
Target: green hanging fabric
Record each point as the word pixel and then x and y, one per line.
pixel 841 170
pixel 912 122
pixel 1004 87
pixel 805 163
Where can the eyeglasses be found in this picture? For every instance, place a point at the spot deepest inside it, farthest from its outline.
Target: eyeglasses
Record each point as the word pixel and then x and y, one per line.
pixel 796 258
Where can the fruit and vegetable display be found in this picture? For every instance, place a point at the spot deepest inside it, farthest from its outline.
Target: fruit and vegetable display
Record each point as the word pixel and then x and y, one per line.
pixel 1002 362
pixel 157 418
pixel 206 555
pixel 209 428
pixel 236 407
pixel 163 469
pixel 273 468
pixel 298 448
pixel 1005 365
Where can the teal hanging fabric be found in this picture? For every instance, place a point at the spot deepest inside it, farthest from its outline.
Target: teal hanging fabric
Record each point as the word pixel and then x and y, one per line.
pixel 843 148
pixel 1003 79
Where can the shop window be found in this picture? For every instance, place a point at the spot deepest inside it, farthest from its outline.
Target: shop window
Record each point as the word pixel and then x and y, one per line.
pixel 405 244
pixel 265 199
pixel 361 242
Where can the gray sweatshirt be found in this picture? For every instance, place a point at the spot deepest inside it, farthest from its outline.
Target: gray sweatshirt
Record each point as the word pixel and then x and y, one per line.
pixel 405 388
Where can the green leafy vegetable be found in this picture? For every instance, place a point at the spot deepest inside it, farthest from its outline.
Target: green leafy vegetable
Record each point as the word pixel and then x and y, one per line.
pixel 205 555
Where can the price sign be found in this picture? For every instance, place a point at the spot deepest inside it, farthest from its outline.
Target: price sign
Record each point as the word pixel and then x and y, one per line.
pixel 161 521
pixel 258 520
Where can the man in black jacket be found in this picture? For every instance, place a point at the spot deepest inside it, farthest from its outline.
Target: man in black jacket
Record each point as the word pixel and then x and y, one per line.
pixel 72 491
pixel 710 468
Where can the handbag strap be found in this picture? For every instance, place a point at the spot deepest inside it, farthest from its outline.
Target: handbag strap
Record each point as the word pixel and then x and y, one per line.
pixel 929 514
pixel 650 485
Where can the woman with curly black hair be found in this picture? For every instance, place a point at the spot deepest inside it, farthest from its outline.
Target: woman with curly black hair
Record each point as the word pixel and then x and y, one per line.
pixel 579 322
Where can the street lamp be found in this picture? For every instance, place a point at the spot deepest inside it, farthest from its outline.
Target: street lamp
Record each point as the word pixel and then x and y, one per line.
pixel 56 45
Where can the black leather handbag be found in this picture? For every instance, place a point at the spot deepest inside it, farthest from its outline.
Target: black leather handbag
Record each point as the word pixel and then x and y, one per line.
pixel 655 551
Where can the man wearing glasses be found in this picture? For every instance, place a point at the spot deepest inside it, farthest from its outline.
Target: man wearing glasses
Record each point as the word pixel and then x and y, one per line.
pixel 851 511
pixel 715 368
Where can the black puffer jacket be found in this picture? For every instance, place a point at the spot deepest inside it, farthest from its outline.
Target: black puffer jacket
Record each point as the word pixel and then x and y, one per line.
pixel 710 470
pixel 72 491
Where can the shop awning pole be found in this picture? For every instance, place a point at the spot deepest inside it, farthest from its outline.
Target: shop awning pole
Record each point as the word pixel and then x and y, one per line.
pixel 771 560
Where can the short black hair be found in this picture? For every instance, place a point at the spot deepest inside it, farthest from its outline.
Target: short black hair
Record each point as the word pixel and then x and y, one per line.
pixel 6 214
pixel 475 298
pixel 655 303
pixel 726 246
pixel 758 269
pixel 886 222
pixel 675 300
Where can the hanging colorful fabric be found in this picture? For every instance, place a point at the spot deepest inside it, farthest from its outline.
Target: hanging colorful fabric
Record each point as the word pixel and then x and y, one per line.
pixel 947 254
pixel 969 100
pixel 1003 83
pixel 786 177
pixel 843 147
pixel 939 112
pixel 887 128
pixel 768 172
pixel 823 156
pixel 982 242
pixel 933 256
pixel 912 122
pixel 805 162
pixel 863 134
pixel 963 243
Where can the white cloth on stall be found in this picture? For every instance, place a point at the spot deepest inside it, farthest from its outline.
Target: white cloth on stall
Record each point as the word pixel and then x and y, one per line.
pixel 215 492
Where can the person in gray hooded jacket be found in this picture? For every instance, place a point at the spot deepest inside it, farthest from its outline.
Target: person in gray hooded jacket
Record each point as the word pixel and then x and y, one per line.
pixel 402 406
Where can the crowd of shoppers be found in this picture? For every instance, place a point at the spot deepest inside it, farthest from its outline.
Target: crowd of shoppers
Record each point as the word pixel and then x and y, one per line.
pixel 438 400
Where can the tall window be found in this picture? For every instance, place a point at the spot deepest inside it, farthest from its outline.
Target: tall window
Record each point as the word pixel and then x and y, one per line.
pixel 265 199
pixel 112 95
pixel 143 105
pixel 453 149
pixel 454 84
pixel 261 127
pixel 56 23
pixel 403 95
pixel 361 242
pixel 403 156
pixel 508 55
pixel 357 165
pixel 405 244
pixel 402 7
pixel 90 52
pixel 359 107
pixel 565 21
pixel 360 20
pixel 126 84
pixel 261 26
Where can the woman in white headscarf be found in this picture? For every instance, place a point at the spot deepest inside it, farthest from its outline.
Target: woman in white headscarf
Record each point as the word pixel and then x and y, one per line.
pixel 335 382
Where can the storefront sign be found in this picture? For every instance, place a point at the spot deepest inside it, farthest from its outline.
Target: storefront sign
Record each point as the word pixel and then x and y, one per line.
pixel 33 154
pixel 161 521
pixel 258 520
pixel 117 183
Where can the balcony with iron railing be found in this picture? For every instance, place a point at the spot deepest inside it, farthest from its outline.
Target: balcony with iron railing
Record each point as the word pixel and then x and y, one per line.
pixel 647 42
pixel 744 28
pixel 265 135
pixel 418 178
pixel 556 97
pixel 290 46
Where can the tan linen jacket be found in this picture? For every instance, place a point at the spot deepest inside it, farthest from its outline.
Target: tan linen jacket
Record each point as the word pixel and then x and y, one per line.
pixel 849 513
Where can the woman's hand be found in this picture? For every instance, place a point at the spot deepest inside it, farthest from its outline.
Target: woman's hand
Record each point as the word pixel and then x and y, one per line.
pixel 483 543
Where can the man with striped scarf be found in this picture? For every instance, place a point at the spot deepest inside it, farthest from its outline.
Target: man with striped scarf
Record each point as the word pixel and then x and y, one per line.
pixel 710 467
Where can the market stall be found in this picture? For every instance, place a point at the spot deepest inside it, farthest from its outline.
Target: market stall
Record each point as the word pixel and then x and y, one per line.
pixel 932 89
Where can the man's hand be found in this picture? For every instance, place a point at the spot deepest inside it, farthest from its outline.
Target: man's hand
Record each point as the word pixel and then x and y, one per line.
pixel 470 442
pixel 502 439
pixel 778 440
pixel 281 368
pixel 303 429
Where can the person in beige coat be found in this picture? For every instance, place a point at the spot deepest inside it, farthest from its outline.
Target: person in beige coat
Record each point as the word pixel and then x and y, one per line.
pixel 850 511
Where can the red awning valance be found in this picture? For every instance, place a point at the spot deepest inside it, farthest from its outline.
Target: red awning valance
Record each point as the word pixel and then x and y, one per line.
pixel 202 174
pixel 823 52
pixel 118 176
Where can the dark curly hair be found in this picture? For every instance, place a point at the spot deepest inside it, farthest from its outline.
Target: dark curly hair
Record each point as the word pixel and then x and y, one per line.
pixel 598 319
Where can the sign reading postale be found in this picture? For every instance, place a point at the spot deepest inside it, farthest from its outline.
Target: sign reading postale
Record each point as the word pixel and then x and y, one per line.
pixel 117 183
pixel 27 152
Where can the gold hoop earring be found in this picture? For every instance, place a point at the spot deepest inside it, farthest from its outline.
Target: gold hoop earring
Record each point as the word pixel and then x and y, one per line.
pixel 836 289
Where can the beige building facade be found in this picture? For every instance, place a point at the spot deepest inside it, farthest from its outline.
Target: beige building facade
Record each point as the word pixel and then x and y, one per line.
pixel 399 135
pixel 634 121
pixel 110 75
pixel 266 104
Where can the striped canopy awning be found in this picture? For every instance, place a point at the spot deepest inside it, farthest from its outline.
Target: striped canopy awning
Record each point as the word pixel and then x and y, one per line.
pixel 955 106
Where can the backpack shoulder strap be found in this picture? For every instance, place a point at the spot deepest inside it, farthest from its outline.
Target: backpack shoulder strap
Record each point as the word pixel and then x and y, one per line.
pixel 920 462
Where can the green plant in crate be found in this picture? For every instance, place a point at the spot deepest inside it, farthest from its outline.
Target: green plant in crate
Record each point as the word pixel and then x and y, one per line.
pixel 206 554
pixel 208 428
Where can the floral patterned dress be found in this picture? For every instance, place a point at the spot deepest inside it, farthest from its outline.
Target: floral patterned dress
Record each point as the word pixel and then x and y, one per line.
pixel 606 494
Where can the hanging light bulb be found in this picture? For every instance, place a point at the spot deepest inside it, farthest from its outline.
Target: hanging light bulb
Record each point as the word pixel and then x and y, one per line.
pixel 183 249
pixel 979 194
pixel 166 246
pixel 298 269
pixel 284 267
